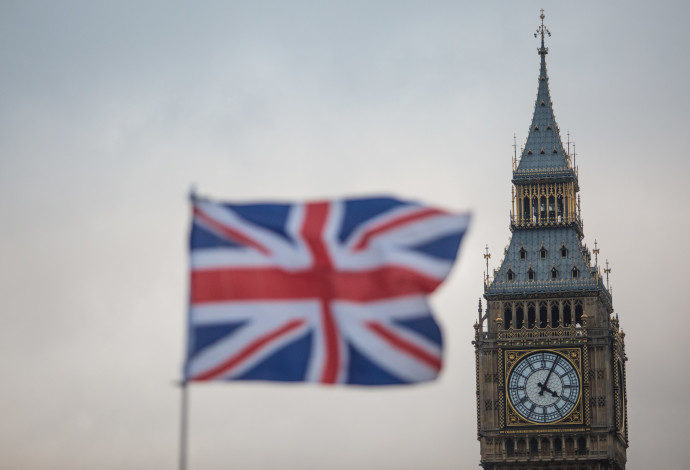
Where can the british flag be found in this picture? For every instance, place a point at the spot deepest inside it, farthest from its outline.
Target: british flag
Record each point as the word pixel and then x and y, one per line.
pixel 331 292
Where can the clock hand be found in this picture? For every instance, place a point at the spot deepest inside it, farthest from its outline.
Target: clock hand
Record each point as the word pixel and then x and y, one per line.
pixel 551 371
pixel 544 386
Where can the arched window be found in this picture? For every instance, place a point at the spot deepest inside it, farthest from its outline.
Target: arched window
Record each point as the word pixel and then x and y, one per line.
pixel 535 209
pixel 552 209
pixel 523 253
pixel 555 315
pixel 519 316
pixel 531 315
pixel 565 209
pixel 530 274
pixel 521 447
pixel 542 209
pixel 533 446
pixel 559 208
pixel 508 315
pixel 510 447
pixel 567 317
pixel 581 446
pixel 554 273
pixel 576 272
pixel 564 251
pixel 569 446
pixel 525 209
pixel 545 446
pixel 543 315
pixel 578 312
pixel 558 445
pixel 543 252
pixel 510 275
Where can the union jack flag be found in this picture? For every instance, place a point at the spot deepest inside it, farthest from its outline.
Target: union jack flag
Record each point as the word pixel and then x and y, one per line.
pixel 330 292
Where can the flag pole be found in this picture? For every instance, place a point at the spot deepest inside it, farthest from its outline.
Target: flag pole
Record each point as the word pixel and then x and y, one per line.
pixel 184 411
pixel 184 385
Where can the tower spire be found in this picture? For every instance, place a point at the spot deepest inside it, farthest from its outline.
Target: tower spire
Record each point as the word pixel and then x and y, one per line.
pixel 543 152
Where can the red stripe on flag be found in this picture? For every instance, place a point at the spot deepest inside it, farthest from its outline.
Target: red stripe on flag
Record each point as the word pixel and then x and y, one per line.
pixel 217 285
pixel 260 342
pixel 228 232
pixel 320 276
pixel 332 364
pixel 315 217
pixel 395 223
pixel 405 346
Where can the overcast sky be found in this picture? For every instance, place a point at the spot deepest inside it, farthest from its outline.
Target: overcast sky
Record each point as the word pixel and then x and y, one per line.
pixel 110 111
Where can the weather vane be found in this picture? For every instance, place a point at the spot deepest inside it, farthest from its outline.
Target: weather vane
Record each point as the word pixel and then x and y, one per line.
pixel 541 30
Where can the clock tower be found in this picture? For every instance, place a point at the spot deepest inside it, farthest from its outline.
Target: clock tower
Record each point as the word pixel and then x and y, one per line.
pixel 550 355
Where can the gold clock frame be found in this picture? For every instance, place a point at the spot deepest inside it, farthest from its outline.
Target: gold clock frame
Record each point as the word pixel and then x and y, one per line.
pixel 512 418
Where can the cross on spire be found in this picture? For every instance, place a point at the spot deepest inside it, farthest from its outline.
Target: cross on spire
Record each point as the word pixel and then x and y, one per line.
pixel 541 30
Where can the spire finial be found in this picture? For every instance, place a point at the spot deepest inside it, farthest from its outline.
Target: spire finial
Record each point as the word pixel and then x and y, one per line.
pixel 514 152
pixel 607 271
pixel 487 255
pixel 541 30
pixel 596 253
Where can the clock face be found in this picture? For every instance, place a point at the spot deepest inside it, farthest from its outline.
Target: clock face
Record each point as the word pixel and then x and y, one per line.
pixel 543 387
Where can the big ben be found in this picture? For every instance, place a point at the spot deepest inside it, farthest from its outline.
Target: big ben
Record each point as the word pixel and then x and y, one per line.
pixel 550 355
